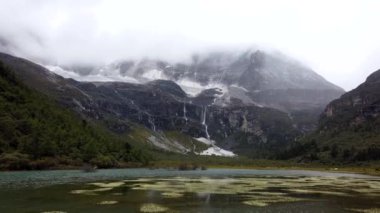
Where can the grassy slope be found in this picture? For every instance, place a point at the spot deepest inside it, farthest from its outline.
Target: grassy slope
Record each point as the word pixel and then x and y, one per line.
pixel 36 133
pixel 339 144
pixel 348 132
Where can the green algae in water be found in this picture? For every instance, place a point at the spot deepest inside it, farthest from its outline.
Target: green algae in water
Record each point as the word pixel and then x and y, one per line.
pixel 376 210
pixel 265 200
pixel 204 185
pixel 90 191
pixel 311 191
pixel 256 191
pixel 255 203
pixel 203 194
pixel 108 185
pixel 53 212
pixel 172 194
pixel 108 202
pixel 259 191
pixel 152 207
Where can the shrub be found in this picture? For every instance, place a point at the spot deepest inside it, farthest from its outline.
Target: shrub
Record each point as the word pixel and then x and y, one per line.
pixel 103 161
pixel 14 161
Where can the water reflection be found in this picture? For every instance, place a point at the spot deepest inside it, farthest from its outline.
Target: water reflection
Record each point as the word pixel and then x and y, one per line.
pixel 200 193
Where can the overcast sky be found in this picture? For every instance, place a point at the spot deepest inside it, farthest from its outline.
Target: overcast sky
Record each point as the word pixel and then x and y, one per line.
pixel 339 39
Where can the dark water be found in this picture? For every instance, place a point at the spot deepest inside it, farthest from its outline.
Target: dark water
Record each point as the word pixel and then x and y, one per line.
pixel 213 190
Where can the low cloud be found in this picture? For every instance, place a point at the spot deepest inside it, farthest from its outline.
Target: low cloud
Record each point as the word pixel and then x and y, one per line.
pixel 338 39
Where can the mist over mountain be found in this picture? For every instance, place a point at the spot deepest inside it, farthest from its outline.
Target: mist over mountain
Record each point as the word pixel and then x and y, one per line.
pixel 228 101
pixel 189 106
pixel 343 49
pixel 200 78
pixel 251 75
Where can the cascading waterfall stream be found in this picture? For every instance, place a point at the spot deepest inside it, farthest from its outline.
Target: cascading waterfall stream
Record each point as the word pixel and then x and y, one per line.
pixel 194 146
pixel 184 112
pixel 152 123
pixel 204 122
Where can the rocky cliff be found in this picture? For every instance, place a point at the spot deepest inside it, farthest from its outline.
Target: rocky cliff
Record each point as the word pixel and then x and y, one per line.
pixel 251 77
pixel 348 130
pixel 162 106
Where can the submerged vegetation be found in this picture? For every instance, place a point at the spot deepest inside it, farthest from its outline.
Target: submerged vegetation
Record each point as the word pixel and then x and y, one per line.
pixel 257 192
pixel 144 190
pixel 151 207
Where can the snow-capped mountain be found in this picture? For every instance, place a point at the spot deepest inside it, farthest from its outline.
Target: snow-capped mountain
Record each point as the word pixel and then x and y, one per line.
pixel 252 76
pixel 249 103
pixel 160 108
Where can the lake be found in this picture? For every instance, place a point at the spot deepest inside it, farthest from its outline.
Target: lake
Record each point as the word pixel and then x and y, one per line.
pixel 212 190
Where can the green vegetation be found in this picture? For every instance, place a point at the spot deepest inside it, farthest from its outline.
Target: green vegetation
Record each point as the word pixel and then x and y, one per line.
pixel 348 131
pixel 257 191
pixel 186 141
pixel 344 147
pixel 36 133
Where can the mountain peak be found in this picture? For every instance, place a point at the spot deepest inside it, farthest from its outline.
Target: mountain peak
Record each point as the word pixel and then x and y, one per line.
pixel 268 79
pixel 258 58
pixel 374 77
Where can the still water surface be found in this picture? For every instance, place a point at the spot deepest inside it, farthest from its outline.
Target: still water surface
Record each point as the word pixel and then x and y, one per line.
pixel 213 190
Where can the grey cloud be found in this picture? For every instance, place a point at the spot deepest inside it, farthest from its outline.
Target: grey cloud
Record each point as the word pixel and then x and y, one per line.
pixel 98 31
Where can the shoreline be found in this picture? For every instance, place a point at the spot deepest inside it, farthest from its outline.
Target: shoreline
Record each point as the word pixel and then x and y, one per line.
pixel 371 171
pixel 349 170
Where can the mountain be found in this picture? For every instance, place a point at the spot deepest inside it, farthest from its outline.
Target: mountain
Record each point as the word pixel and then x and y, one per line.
pixel 37 133
pixel 254 77
pixel 360 106
pixel 265 77
pixel 212 125
pixel 349 127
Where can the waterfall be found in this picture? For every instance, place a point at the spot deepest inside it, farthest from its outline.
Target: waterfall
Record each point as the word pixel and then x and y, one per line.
pixel 152 123
pixel 184 112
pixel 194 146
pixel 139 116
pixel 204 122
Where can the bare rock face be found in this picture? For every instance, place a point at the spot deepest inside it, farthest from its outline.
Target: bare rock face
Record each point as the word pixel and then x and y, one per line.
pixel 357 107
pixel 348 131
pixel 247 109
pixel 252 77
pixel 268 79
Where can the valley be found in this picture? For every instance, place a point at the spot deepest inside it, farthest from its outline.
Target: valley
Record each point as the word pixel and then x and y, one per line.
pixel 201 106
pixel 162 122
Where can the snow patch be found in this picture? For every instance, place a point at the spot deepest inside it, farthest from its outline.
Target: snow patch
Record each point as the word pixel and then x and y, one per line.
pixel 111 73
pixel 214 150
pixel 239 87
pixel 62 72
pixel 102 76
pixel 155 74
pixel 204 140
pixel 217 151
pixel 193 88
